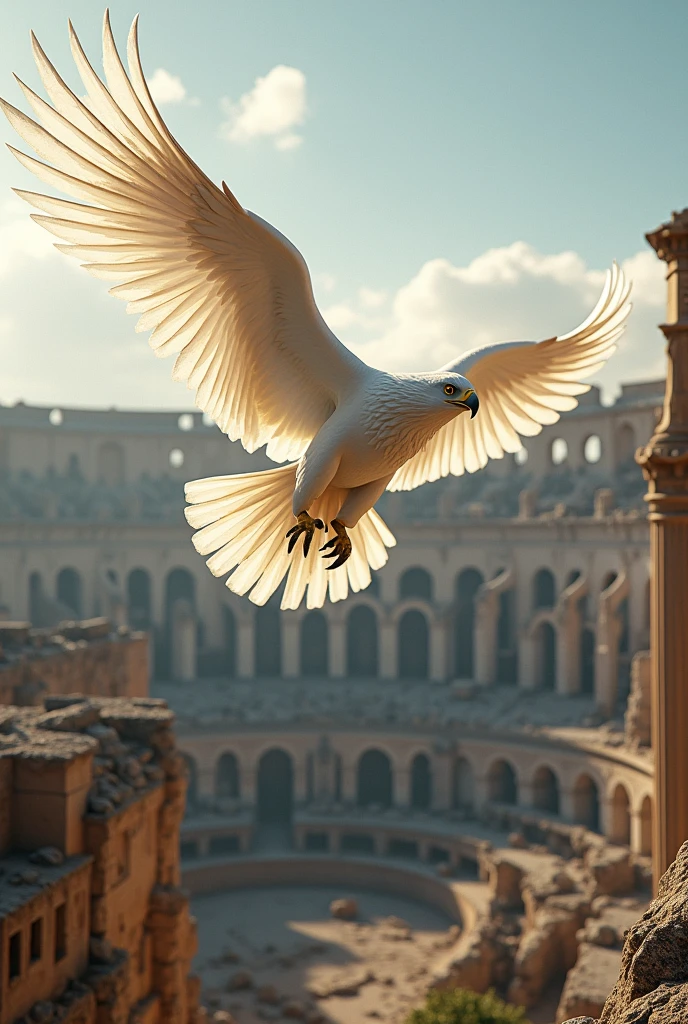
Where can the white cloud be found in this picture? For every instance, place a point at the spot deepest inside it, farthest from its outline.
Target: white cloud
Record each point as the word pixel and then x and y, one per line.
pixel 371 299
pixel 273 108
pixel 166 88
pixel 509 293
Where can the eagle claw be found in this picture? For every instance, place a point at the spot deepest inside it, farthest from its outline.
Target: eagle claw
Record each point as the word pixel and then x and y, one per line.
pixel 340 544
pixel 305 524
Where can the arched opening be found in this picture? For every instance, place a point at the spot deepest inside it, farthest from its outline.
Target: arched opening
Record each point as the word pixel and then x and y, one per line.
pixel 139 599
pixel 191 782
pixel 421 783
pixel 586 803
pixel 546 790
pixel 374 780
pixel 546 663
pixel 621 816
pixel 227 781
pixel 268 640
pixel 502 785
pixel 416 582
pixel 463 785
pixel 69 591
pixel 111 464
pixel 362 643
pixel 558 451
pixel 544 589
pixel 275 788
pixel 314 655
pixel 592 449
pixel 35 599
pixel 467 585
pixel 412 645
pixel 646 827
pixel 625 443
pixel 587 662
pixel 229 630
pixel 507 650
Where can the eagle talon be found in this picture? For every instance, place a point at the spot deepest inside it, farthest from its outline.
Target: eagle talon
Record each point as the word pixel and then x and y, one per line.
pixel 340 544
pixel 306 525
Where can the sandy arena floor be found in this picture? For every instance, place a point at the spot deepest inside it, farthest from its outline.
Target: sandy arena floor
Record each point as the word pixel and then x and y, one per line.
pixel 284 938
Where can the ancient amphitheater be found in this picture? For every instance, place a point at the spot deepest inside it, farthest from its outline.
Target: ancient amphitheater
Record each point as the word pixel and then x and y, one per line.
pixel 472 731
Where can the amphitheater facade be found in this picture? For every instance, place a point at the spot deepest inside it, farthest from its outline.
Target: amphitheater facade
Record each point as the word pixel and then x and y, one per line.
pixel 489 663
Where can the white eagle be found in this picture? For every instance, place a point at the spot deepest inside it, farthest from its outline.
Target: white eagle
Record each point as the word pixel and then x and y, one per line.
pixel 231 298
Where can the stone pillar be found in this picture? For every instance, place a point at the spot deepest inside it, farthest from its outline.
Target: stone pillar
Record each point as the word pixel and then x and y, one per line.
pixel 388 648
pixel 438 648
pixel 568 619
pixel 442 781
pixel 183 641
pixel 337 648
pixel 401 796
pixel 486 624
pixel 664 461
pixel 638 719
pixel 607 645
pixel 246 664
pixel 527 667
pixel 291 627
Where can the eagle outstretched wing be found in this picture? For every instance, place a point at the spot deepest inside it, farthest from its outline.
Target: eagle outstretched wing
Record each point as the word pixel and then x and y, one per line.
pixel 219 287
pixel 523 386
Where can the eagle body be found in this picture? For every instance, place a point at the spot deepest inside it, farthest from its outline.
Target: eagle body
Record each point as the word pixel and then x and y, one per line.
pixel 231 299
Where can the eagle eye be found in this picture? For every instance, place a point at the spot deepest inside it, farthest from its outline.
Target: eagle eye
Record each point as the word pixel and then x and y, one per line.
pixel 449 389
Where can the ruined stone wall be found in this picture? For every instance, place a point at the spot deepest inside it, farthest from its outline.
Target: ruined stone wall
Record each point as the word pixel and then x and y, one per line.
pixel 94 793
pixel 78 657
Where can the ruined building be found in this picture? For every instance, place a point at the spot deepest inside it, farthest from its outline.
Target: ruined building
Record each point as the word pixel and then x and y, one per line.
pixel 94 928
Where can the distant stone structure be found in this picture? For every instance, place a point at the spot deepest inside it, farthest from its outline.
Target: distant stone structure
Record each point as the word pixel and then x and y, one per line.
pixel 87 657
pixel 94 928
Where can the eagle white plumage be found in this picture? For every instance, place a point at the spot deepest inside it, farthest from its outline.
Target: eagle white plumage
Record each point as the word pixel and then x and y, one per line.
pixel 231 298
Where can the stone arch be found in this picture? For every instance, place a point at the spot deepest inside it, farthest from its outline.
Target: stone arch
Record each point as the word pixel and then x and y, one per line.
pixel 646 826
pixel 314 644
pixel 415 582
pixel 586 802
pixel 180 654
pixel 546 656
pixel 191 781
pixel 413 645
pixel 626 443
pixel 587 662
pixel 463 784
pixel 268 640
pixel 275 787
pixel 546 790
pixel 111 464
pixel 227 777
pixel 139 599
pixel 544 589
pixel 362 645
pixel 69 591
pixel 468 583
pixel 421 783
pixel 502 783
pixel 374 779
pixel 620 816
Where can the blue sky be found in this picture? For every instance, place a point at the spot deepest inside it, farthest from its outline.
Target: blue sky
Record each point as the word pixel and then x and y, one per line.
pixel 434 134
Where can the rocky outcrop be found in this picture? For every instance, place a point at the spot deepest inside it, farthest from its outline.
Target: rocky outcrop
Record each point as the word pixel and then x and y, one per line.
pixel 653 982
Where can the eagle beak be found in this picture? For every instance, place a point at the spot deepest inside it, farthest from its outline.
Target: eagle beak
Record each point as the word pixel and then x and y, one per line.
pixel 469 401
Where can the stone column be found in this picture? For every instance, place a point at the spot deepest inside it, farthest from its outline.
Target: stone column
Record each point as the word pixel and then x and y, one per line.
pixel 388 648
pixel 246 664
pixel 291 627
pixel 438 647
pixel 607 645
pixel 664 461
pixel 485 629
pixel 183 641
pixel 568 618
pixel 337 648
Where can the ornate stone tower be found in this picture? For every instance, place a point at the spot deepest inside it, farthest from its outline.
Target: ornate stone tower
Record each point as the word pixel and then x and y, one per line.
pixel 664 461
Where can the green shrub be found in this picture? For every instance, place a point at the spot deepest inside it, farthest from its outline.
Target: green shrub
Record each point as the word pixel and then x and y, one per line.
pixel 461 1006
